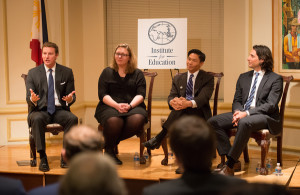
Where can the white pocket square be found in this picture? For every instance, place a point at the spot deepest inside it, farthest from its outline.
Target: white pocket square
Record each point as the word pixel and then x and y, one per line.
pixel 63 83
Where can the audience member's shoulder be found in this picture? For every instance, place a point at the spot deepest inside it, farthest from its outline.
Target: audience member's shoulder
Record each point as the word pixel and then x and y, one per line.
pixel 51 189
pixel 230 180
pixel 164 188
pixel 11 186
pixel 257 189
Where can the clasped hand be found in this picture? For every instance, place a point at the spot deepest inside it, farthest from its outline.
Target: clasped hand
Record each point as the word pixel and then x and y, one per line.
pixel 179 103
pixel 123 107
pixel 237 116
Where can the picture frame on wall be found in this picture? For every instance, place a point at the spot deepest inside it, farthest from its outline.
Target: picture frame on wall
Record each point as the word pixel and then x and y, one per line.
pixel 286 37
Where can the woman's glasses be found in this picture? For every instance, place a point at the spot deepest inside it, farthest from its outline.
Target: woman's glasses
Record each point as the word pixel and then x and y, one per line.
pixel 121 54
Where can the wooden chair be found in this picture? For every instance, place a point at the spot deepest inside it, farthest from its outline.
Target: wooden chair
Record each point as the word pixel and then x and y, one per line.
pixel 51 128
pixel 146 133
pixel 263 137
pixel 218 76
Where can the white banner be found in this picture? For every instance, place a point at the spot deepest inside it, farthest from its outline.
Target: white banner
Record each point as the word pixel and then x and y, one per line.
pixel 162 43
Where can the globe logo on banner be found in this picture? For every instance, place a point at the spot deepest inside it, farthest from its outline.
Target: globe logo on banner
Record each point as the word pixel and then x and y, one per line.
pixel 162 33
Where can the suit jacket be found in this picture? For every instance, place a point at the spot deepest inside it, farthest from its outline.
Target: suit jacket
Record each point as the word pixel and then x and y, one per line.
pixel 37 81
pixel 11 186
pixel 51 189
pixel 203 89
pixel 267 98
pixel 194 183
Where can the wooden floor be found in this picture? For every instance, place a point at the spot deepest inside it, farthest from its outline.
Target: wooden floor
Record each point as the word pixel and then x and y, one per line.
pixel 142 175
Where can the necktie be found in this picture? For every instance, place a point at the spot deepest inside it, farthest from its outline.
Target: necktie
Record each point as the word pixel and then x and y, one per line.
pixel 51 101
pixel 189 88
pixel 252 92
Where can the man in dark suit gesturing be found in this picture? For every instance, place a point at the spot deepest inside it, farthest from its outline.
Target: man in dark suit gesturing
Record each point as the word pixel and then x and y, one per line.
pixel 189 95
pixel 50 93
pixel 254 107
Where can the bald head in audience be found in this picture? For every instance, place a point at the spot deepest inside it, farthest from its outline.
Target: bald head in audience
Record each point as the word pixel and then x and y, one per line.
pixel 81 138
pixel 91 173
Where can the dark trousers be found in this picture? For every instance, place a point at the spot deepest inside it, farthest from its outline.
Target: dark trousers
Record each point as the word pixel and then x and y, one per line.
pixel 223 122
pixel 40 119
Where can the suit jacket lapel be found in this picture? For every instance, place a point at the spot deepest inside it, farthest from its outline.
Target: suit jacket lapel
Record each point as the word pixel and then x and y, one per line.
pixel 58 75
pixel 43 76
pixel 198 82
pixel 261 85
pixel 248 85
pixel 182 84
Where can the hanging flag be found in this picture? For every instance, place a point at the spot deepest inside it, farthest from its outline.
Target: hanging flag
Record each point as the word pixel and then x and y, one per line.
pixel 39 32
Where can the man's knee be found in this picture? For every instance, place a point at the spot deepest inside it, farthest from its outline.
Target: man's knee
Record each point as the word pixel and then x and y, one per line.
pixel 212 121
pixel 243 123
pixel 37 118
pixel 74 119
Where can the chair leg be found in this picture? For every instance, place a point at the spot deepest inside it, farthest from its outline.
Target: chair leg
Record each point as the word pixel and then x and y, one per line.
pixel 142 140
pixel 165 149
pixel 246 154
pixel 32 151
pixel 279 150
pixel 265 144
pixel 148 138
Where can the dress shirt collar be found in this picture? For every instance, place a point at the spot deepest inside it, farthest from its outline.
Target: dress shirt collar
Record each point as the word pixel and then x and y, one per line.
pixel 261 72
pixel 47 69
pixel 195 74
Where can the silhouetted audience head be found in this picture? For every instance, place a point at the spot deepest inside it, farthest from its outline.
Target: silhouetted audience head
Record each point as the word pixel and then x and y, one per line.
pixel 81 138
pixel 257 189
pixel 93 174
pixel 193 143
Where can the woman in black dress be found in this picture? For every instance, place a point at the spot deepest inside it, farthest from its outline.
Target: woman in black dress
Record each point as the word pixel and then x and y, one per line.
pixel 121 90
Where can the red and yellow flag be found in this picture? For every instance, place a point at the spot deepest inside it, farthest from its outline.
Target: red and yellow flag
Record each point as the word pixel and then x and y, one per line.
pixel 39 32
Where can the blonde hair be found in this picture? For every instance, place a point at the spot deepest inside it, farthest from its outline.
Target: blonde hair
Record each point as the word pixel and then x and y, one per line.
pixel 132 64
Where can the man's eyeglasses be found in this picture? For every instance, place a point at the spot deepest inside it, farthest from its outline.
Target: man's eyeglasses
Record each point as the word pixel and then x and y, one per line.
pixel 121 54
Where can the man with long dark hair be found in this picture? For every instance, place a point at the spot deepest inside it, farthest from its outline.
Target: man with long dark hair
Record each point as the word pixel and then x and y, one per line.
pixel 254 107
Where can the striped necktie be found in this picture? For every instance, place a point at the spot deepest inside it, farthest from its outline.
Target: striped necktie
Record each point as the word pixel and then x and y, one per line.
pixel 51 101
pixel 252 92
pixel 189 88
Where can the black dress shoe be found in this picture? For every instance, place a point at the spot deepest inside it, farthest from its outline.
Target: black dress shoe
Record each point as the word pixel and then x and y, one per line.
pixel 44 166
pixel 63 164
pixel 112 154
pixel 152 143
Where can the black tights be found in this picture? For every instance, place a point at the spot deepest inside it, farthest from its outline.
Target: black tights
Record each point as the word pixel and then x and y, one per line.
pixel 117 129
